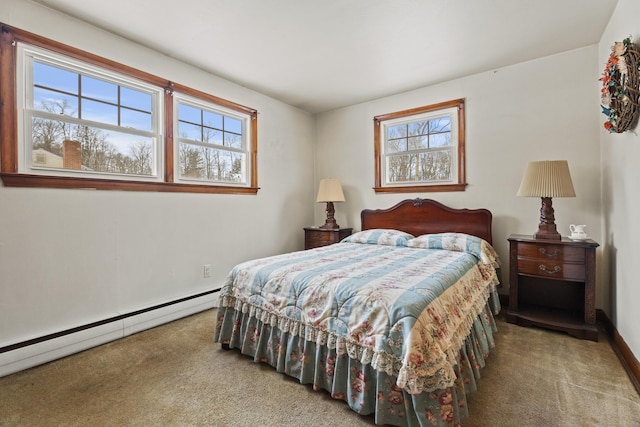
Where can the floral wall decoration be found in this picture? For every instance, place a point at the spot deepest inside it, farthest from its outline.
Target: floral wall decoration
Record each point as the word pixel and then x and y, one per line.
pixel 621 87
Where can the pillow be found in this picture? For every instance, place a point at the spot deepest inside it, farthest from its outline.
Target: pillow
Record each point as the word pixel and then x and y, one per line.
pixel 380 236
pixel 458 242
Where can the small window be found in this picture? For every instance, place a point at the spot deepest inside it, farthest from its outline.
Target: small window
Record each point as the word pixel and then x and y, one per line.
pixel 213 143
pixel 421 149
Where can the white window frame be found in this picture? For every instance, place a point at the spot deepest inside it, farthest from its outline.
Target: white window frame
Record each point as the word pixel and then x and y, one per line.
pixel 24 78
pixel 245 119
pixel 451 113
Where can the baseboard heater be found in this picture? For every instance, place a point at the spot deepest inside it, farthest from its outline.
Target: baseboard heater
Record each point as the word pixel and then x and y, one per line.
pixel 26 354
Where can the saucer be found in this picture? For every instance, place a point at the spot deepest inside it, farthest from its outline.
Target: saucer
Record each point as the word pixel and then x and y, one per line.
pixel 579 239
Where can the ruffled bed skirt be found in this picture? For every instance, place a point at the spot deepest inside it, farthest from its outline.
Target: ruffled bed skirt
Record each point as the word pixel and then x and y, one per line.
pixel 365 390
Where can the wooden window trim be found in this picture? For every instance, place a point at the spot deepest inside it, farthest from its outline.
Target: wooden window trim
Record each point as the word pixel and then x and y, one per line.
pixel 11 177
pixel 424 188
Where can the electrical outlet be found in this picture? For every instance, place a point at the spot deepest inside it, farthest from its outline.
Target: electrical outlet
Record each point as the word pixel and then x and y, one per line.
pixel 207 270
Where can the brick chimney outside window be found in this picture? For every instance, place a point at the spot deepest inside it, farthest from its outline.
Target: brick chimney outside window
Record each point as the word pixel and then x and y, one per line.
pixel 71 154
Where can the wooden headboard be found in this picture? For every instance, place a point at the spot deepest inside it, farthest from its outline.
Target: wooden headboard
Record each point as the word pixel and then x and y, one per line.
pixel 425 216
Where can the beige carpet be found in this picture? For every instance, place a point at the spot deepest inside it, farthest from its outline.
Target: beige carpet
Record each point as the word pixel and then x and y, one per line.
pixel 174 375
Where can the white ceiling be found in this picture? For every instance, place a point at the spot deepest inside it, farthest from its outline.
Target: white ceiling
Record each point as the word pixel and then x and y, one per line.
pixel 324 54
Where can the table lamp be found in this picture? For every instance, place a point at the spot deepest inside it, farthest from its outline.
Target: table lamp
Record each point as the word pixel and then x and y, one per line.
pixel 330 191
pixel 547 179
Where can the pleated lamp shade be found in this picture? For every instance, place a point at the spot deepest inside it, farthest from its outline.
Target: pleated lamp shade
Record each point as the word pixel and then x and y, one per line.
pixel 547 178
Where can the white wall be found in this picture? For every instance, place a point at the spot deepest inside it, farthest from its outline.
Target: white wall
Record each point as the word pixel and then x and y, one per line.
pixel 621 199
pixel 540 110
pixel 71 257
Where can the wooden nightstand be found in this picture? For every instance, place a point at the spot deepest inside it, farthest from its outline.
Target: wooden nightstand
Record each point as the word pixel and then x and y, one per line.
pixel 315 237
pixel 552 284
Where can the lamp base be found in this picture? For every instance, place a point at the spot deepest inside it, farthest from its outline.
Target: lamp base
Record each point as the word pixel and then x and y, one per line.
pixel 330 222
pixel 547 232
pixel 329 226
pixel 547 227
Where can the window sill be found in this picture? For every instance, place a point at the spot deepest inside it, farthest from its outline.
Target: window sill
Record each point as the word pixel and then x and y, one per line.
pixel 421 188
pixel 38 181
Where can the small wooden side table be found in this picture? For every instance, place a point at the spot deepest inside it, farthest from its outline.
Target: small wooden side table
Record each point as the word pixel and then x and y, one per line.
pixel 552 284
pixel 315 237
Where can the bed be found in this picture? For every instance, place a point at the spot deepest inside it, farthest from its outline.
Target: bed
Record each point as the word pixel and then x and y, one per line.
pixel 396 320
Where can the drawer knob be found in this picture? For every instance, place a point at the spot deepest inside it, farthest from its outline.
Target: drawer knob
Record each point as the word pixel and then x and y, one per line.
pixel 555 252
pixel 555 270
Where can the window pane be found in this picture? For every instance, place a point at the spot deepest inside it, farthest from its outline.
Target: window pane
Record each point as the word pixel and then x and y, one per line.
pixel 439 140
pixel 212 136
pixel 99 89
pixel 211 164
pixel 223 165
pixel 189 114
pixel 99 112
pixel 402 168
pixel 47 135
pixel 191 163
pixel 55 102
pixel 418 128
pixel 55 78
pixel 442 124
pixel 189 131
pixel 61 145
pixel 135 119
pixel 232 125
pixel 398 131
pixel 135 99
pixel 435 166
pixel 212 120
pixel 418 143
pixel 396 145
pixel 232 140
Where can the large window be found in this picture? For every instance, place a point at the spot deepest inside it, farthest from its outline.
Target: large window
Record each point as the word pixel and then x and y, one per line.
pixel 421 149
pixel 78 120
pixel 70 119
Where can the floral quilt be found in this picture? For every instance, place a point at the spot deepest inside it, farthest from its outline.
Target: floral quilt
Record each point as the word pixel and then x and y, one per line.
pixel 403 309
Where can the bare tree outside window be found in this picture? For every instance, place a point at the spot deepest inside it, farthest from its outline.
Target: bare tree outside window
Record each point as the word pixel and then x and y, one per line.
pixel 99 151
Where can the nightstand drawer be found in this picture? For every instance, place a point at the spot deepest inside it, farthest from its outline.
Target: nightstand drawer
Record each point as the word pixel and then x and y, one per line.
pixel 316 237
pixel 549 269
pixel 550 252
pixel 321 236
